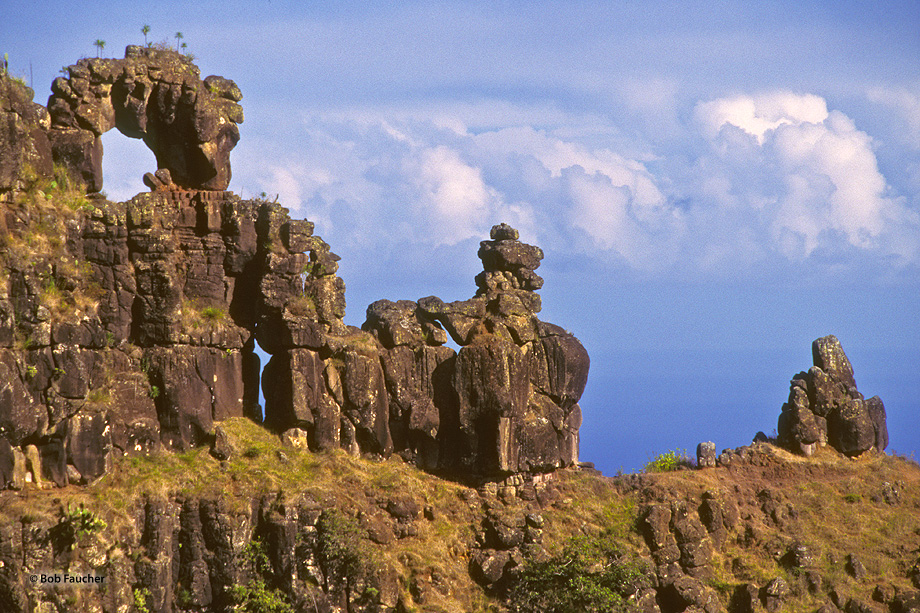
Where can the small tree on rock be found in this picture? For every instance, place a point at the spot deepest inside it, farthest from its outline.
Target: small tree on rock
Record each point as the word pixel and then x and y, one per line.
pixel 100 45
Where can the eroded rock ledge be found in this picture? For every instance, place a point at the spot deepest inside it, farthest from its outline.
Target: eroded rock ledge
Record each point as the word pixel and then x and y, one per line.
pixel 185 283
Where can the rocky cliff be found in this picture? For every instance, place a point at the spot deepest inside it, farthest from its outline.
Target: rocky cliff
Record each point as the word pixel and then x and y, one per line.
pixel 133 325
pixel 386 471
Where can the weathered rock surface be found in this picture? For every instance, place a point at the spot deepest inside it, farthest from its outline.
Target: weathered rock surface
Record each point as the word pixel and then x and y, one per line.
pixel 154 94
pixel 24 145
pixel 508 401
pixel 824 407
pixel 161 301
pixel 166 296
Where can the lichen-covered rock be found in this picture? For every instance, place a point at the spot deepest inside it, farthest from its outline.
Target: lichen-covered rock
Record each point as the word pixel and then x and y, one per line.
pixel 154 94
pixel 825 406
pixel 24 146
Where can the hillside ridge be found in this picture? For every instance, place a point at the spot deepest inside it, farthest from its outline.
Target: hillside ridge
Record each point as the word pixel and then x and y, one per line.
pixel 386 472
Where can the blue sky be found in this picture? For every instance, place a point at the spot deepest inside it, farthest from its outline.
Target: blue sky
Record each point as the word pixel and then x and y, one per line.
pixel 714 184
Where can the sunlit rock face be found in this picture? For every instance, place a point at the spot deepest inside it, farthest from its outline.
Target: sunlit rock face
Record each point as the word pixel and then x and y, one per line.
pixel 824 407
pixel 508 401
pixel 154 94
pixel 158 304
pixel 126 327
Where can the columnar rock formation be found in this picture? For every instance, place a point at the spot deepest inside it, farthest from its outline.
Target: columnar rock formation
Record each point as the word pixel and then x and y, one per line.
pixel 824 407
pixel 127 326
pixel 508 402
pixel 155 94
pixel 185 283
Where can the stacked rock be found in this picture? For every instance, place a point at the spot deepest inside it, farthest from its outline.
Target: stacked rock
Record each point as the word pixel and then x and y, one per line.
pixel 824 407
pixel 508 267
pixel 508 402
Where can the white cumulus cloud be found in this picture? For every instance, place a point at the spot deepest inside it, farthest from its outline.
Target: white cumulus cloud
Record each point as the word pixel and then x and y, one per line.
pixel 758 115
pixel 813 175
pixel 756 181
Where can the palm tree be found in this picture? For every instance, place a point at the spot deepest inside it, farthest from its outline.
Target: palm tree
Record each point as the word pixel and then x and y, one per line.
pixel 178 38
pixel 145 31
pixel 100 45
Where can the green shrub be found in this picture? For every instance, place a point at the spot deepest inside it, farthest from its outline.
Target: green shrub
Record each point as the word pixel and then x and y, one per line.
pixel 99 396
pixel 82 522
pixel 140 600
pixel 343 553
pixel 668 461
pixel 592 574
pixel 256 597
pixel 212 314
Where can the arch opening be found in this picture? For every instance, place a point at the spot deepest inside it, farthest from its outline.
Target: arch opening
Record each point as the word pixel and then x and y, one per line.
pixel 124 162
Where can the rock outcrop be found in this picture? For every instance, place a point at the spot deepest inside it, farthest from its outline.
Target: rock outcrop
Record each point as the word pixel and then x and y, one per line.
pixel 508 401
pixel 24 146
pixel 129 326
pixel 155 94
pixel 824 407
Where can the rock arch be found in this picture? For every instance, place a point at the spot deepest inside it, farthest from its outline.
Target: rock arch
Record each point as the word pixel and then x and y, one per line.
pixel 153 94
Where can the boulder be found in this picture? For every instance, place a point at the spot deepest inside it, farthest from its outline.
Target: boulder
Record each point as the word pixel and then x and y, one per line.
pixel 876 409
pixel 850 429
pixel 825 406
pixel 828 355
pixel 706 455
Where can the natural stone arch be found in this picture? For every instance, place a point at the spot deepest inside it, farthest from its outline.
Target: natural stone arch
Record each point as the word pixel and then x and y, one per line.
pixel 153 94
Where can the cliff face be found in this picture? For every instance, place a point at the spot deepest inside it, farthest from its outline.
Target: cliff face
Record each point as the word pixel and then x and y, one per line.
pixel 278 528
pixel 140 472
pixel 179 286
pixel 130 326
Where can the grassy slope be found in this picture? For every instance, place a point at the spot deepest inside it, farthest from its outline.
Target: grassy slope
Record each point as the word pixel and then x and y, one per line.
pixel 826 504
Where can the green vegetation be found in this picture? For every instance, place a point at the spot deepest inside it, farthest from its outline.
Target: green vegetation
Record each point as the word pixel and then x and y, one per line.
pixel 343 553
pixel 100 45
pixel 255 596
pixel 592 574
pixel 65 287
pixel 141 595
pixel 302 306
pixel 100 396
pixel 79 522
pixel 145 30
pixel 212 315
pixel 668 461
pixel 195 316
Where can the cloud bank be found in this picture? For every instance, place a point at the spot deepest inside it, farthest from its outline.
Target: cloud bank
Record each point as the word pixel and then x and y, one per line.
pixel 746 181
